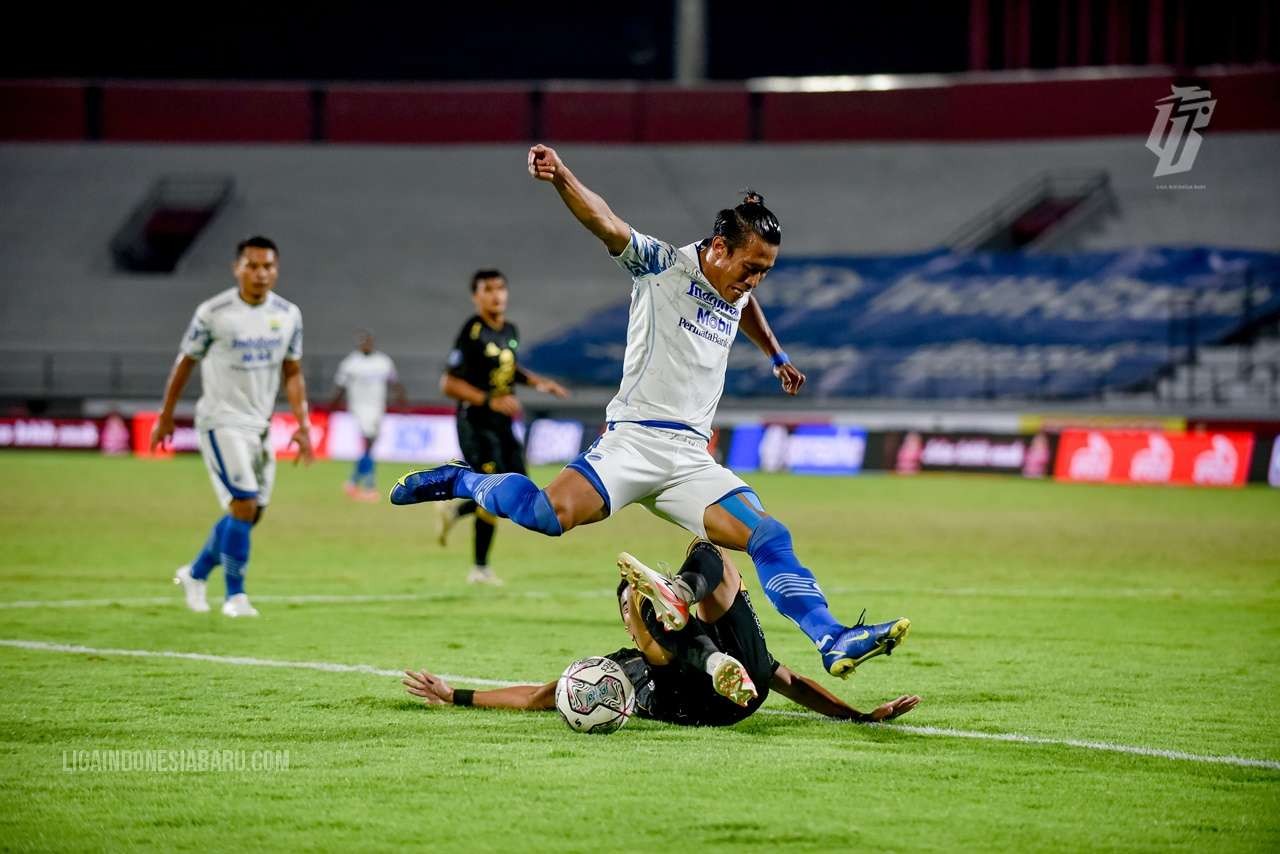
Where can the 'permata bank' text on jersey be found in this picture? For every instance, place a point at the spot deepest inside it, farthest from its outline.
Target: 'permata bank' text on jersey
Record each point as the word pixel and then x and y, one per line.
pixel 241 348
pixel 678 338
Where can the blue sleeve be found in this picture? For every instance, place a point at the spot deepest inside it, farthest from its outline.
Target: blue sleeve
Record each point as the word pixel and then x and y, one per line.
pixel 645 255
pixel 199 335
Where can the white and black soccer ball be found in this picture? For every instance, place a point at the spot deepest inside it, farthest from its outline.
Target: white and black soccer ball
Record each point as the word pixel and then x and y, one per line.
pixel 594 695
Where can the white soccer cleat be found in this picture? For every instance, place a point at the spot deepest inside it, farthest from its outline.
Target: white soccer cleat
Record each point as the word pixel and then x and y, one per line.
pixel 194 588
pixel 730 678
pixel 238 606
pixel 484 575
pixel 656 587
pixel 446 517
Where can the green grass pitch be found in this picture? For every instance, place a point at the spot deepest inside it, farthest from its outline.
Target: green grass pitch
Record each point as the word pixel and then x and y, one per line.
pixel 1143 617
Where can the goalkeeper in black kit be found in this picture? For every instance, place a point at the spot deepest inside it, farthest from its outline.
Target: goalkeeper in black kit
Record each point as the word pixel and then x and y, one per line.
pixel 713 670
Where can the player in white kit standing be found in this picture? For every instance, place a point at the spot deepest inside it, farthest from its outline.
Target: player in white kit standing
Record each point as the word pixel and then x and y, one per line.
pixel 362 378
pixel 244 339
pixel 686 306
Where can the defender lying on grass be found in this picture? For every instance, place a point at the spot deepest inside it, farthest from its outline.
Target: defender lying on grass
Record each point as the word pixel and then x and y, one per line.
pixel 703 674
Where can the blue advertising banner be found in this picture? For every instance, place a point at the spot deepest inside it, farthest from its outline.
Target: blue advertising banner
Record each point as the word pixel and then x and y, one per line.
pixel 803 449
pixel 948 324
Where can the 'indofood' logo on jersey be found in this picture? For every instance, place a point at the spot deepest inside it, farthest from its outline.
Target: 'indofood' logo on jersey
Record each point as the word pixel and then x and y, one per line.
pixel 260 343
pixel 711 299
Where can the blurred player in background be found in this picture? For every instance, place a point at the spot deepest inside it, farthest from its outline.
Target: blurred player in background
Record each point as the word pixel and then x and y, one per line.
pixel 700 676
pixel 482 374
pixel 244 339
pixel 686 306
pixel 362 378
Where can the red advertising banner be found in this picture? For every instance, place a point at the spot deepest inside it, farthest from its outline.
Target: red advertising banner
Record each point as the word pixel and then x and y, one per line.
pixel 1143 456
pixel 184 436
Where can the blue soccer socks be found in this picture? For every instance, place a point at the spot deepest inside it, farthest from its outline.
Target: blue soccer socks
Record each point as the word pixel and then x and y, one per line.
pixel 211 554
pixel 511 496
pixel 791 587
pixel 235 553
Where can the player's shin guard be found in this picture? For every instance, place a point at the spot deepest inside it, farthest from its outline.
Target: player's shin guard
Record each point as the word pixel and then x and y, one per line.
pixel 790 587
pixel 235 553
pixel 692 644
pixel 511 496
pixel 701 572
pixel 209 555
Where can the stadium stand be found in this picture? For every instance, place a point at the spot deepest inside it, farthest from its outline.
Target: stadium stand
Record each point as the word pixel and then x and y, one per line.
pixel 386 237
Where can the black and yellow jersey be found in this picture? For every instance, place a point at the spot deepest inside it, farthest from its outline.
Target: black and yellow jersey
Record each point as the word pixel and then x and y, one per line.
pixel 486 357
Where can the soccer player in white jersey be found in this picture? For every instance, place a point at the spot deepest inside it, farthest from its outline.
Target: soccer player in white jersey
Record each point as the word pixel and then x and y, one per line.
pixel 244 339
pixel 686 306
pixel 362 378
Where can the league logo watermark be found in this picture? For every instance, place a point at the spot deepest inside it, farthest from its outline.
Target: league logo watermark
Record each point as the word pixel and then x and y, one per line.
pixel 1174 138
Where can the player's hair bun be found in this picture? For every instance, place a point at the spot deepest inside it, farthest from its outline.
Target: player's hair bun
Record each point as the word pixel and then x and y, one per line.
pixel 734 224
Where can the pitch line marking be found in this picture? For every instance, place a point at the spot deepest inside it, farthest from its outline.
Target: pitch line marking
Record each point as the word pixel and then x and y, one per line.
pixel 333 667
pixel 304 599
pixel 357 598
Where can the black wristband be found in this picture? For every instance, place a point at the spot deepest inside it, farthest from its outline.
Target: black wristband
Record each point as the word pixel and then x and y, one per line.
pixel 462 696
pixel 487 397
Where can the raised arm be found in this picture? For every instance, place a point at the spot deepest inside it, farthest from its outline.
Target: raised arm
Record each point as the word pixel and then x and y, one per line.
pixel 434 691
pixel 811 695
pixel 754 325
pixel 589 209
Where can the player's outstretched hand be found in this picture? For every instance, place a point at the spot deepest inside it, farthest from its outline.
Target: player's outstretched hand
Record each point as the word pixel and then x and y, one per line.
pixel 552 387
pixel 792 379
pixel 433 690
pixel 895 708
pixel 302 438
pixel 544 163
pixel 162 430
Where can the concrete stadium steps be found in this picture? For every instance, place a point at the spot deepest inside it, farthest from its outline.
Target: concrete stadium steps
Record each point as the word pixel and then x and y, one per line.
pixel 387 237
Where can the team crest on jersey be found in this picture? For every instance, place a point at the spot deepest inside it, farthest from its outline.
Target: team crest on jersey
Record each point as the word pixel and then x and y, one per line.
pixel 275 324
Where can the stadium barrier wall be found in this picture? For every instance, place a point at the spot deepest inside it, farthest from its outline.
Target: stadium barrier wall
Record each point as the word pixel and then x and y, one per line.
pixel 1090 455
pixel 963 109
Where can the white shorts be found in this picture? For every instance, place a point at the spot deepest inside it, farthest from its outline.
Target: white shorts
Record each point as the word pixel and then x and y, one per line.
pixel 669 472
pixel 241 463
pixel 370 421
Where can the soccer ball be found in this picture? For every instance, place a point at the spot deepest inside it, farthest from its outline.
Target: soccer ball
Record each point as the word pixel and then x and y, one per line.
pixel 595 696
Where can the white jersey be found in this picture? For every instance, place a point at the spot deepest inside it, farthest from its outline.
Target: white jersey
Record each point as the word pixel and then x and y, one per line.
pixel 678 338
pixel 365 377
pixel 241 348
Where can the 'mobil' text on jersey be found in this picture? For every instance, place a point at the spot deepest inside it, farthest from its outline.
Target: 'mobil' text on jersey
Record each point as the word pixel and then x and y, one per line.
pixel 678 337
pixel 241 348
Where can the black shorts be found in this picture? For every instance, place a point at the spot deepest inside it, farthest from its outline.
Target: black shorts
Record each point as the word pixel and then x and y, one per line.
pixel 682 695
pixel 488 443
